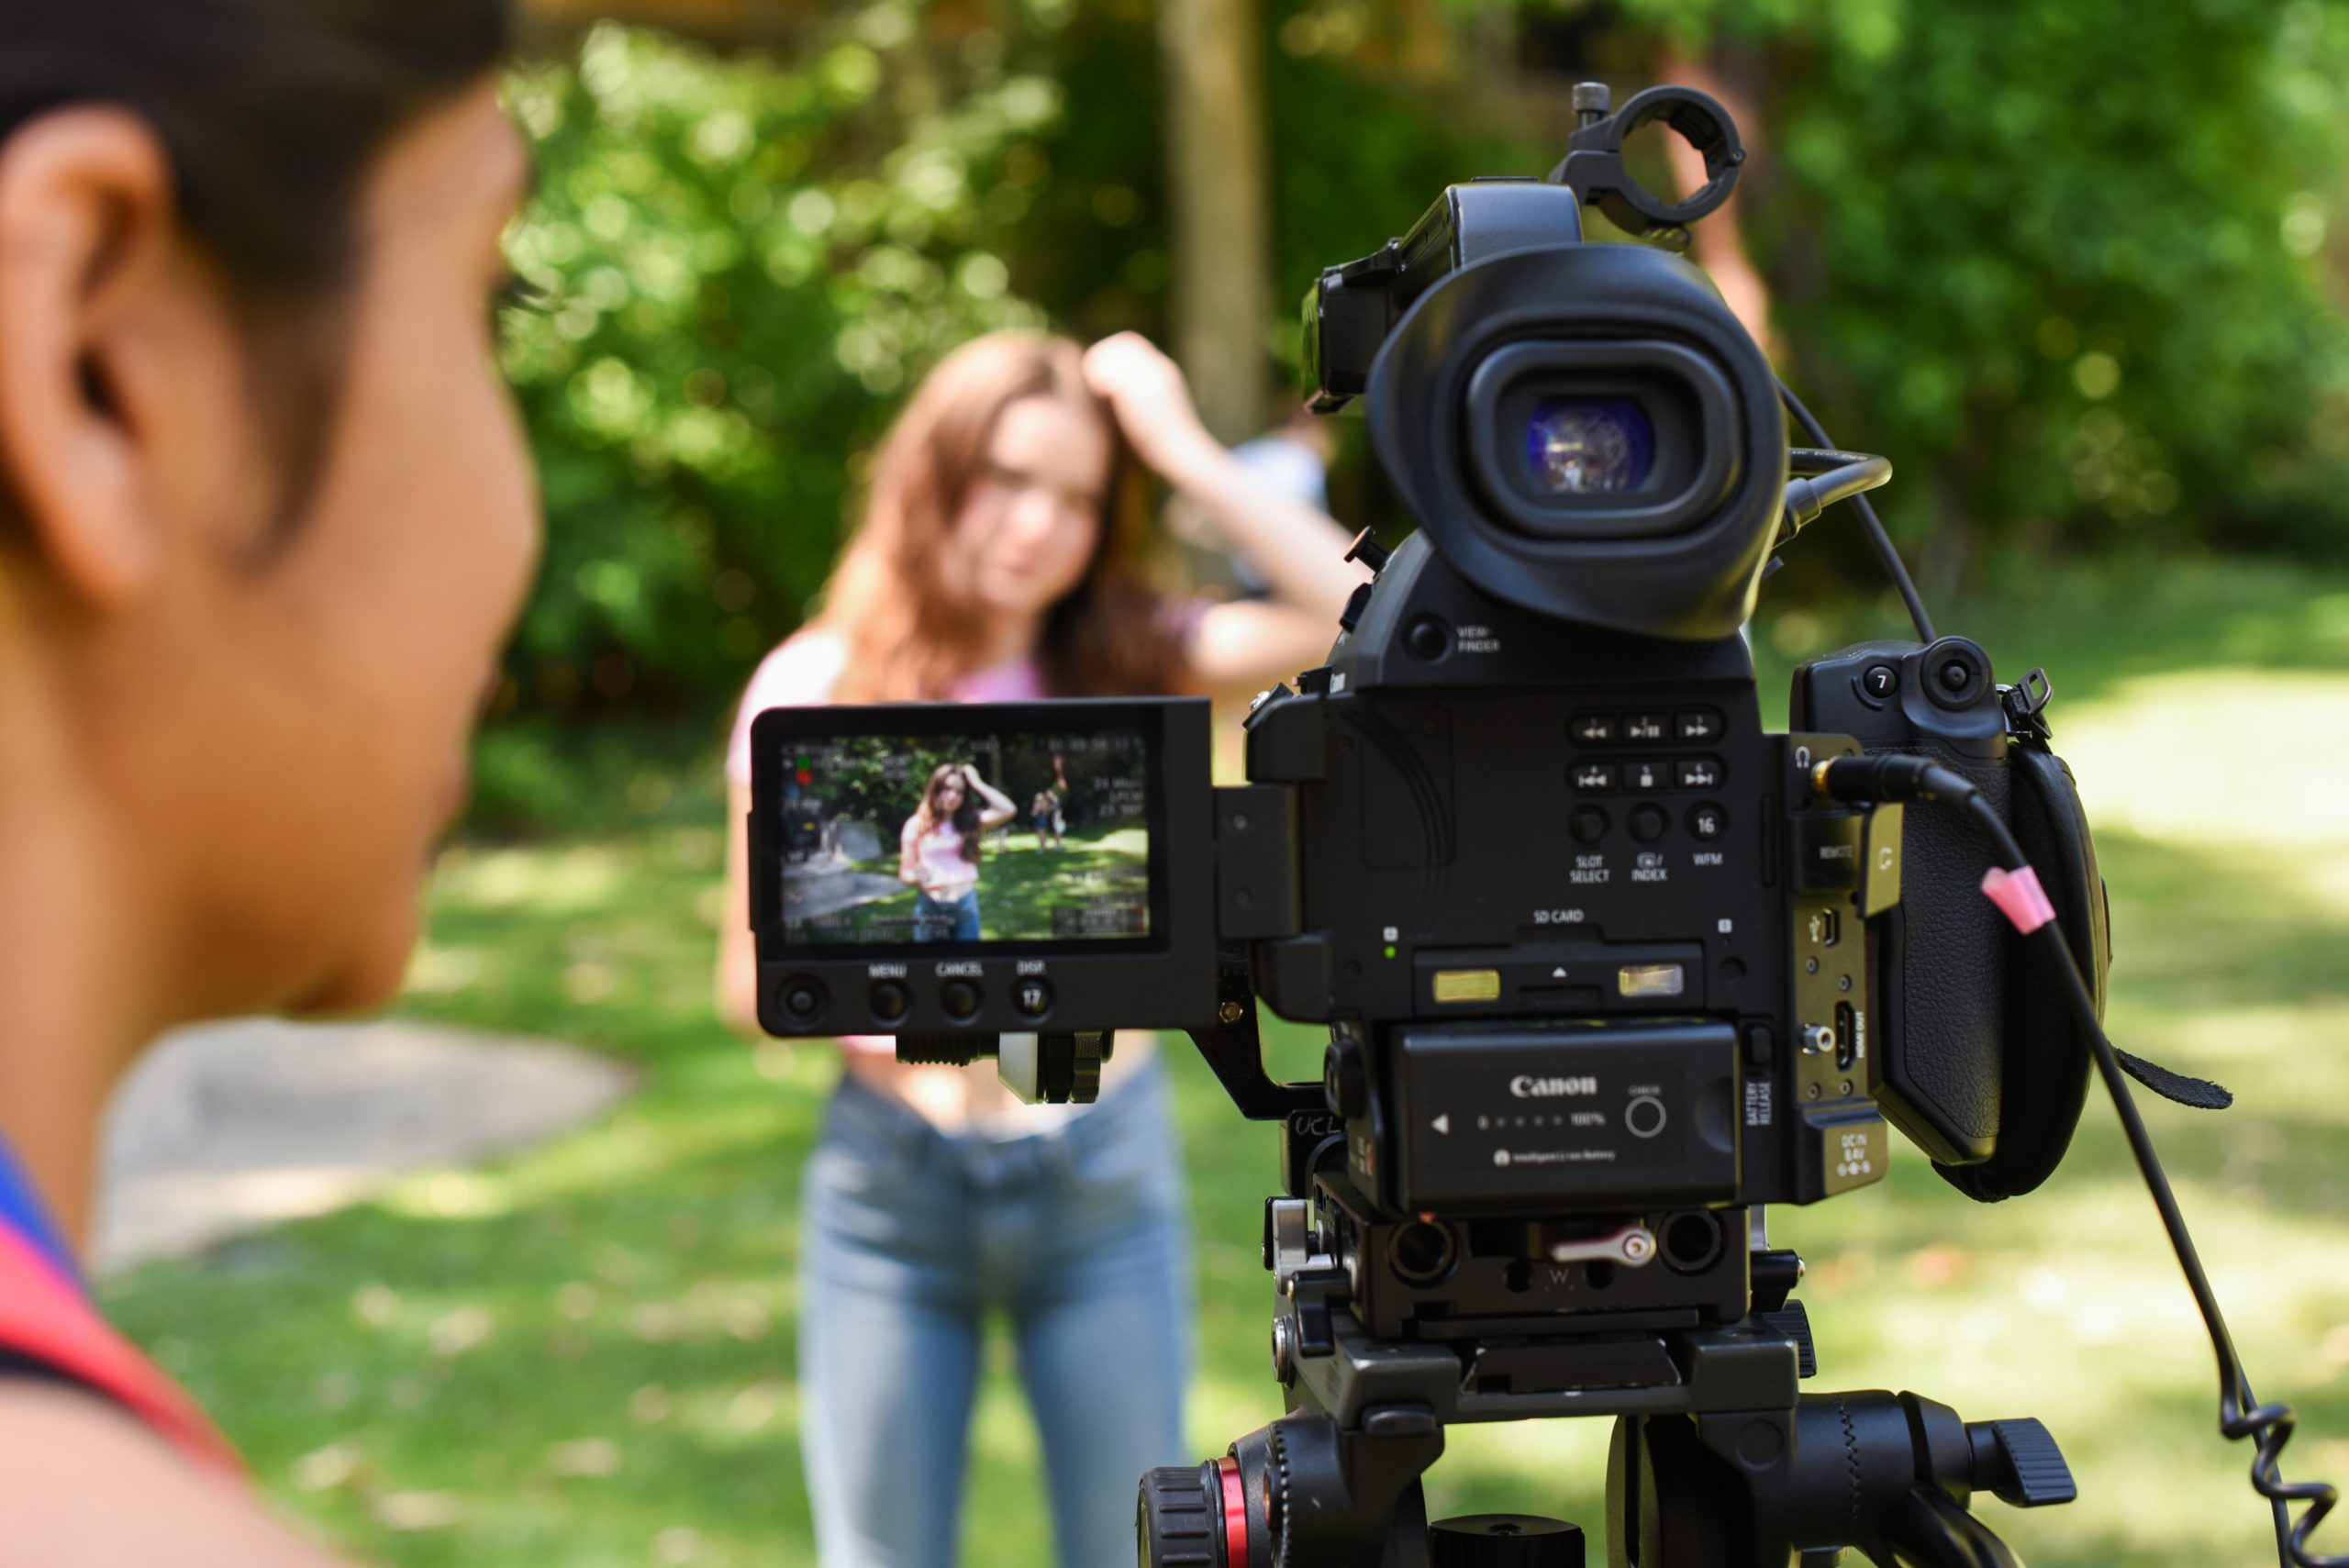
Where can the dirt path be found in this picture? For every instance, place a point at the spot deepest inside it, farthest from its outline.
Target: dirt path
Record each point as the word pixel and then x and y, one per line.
pixel 236 1126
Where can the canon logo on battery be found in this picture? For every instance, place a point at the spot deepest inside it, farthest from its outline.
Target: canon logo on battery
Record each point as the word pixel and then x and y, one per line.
pixel 1526 1087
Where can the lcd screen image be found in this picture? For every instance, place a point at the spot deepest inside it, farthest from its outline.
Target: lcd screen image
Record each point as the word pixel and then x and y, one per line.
pixel 893 839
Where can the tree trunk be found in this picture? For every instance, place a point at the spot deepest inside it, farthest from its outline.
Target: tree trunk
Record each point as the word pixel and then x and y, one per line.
pixel 1219 211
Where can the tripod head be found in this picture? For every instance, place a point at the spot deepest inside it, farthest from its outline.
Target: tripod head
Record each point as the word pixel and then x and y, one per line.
pixel 1889 1474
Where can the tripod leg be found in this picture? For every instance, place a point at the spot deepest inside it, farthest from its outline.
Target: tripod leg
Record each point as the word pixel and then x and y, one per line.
pixel 1930 1530
pixel 1671 1501
pixel 1407 1532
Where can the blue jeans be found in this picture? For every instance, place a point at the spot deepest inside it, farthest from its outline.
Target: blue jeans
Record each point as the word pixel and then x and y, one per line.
pixel 910 1238
pixel 946 919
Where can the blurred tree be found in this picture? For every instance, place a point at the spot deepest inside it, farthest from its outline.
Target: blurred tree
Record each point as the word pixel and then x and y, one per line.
pixel 748 259
pixel 1216 154
pixel 2064 263
pixel 741 261
pixel 2061 260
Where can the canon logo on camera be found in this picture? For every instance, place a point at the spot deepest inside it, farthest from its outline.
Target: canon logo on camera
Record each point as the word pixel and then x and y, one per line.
pixel 1526 1087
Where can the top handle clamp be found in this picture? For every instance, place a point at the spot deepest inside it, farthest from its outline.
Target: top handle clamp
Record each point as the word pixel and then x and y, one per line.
pixel 1593 169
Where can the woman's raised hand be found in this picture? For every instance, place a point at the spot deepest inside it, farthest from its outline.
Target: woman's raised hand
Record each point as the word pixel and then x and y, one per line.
pixel 1153 403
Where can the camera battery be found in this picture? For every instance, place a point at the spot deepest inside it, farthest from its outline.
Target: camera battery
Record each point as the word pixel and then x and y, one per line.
pixel 1566 1116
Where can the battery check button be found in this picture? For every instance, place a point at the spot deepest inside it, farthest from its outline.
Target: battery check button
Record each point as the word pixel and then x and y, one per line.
pixel 1644 1117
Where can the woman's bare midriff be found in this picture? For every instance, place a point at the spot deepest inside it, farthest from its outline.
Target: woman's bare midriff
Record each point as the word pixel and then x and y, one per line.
pixel 955 1098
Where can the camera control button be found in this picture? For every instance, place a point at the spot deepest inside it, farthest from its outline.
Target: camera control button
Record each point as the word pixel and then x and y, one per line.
pixel 1698 772
pixel 1645 727
pixel 1428 638
pixel 1648 824
pixel 1594 778
pixel 1645 1118
pixel 1592 729
pixel 887 1000
pixel 1697 724
pixel 1880 681
pixel 802 998
pixel 1647 775
pixel 1706 822
pixel 1033 998
pixel 1588 825
pixel 960 998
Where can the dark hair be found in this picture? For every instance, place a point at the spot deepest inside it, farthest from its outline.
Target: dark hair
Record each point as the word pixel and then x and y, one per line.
pixel 271 111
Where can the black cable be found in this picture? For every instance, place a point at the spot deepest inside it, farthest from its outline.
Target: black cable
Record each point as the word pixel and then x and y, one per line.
pixel 1892 777
pixel 1875 525
pixel 1810 495
pixel 1805 461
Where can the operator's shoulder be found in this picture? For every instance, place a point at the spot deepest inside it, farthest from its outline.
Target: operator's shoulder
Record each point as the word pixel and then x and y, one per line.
pixel 88 1487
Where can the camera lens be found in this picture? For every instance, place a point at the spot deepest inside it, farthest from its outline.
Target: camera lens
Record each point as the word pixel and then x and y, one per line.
pixel 1587 446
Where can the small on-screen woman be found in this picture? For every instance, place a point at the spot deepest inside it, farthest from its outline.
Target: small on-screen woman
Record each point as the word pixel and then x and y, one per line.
pixel 938 852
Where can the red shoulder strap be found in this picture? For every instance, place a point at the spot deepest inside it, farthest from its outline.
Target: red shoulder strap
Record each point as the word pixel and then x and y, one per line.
pixel 46 1318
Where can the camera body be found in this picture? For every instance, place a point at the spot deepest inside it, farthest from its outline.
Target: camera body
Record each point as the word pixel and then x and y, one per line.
pixel 1583 938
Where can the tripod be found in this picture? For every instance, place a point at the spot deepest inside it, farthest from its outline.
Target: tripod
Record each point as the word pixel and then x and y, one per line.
pixel 1717 1461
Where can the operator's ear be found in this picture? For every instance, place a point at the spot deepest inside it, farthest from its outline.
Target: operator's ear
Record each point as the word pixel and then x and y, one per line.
pixel 87 235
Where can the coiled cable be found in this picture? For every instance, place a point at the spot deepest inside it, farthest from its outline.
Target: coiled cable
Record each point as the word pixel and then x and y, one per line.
pixel 2241 1415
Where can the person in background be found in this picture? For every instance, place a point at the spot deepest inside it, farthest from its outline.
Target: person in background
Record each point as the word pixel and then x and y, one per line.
pixel 1050 823
pixel 1000 558
pixel 266 515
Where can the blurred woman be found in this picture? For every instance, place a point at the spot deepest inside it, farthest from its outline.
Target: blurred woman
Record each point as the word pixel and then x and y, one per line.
pixel 1000 559
pixel 266 517
pixel 938 852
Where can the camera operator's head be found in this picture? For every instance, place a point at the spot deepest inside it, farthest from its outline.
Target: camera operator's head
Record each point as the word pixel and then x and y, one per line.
pixel 265 513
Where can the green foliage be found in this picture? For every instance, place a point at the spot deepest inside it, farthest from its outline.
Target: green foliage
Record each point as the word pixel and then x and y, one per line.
pixel 881 778
pixel 2061 260
pixel 743 258
pixel 746 260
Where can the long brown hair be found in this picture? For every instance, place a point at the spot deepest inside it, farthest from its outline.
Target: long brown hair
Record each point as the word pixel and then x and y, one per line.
pixel 911 632
pixel 965 816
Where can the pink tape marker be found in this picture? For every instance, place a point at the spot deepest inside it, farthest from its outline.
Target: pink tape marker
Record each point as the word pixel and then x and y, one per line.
pixel 2019 897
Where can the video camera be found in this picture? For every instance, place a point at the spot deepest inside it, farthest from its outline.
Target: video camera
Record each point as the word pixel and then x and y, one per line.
pixel 1607 965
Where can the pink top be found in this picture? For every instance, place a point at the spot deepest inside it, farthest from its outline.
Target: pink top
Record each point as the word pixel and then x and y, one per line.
pixel 941 867
pixel 803 671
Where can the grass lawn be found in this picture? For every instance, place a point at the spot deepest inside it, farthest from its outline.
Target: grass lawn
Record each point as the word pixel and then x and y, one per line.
pixel 581 1356
pixel 1020 884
